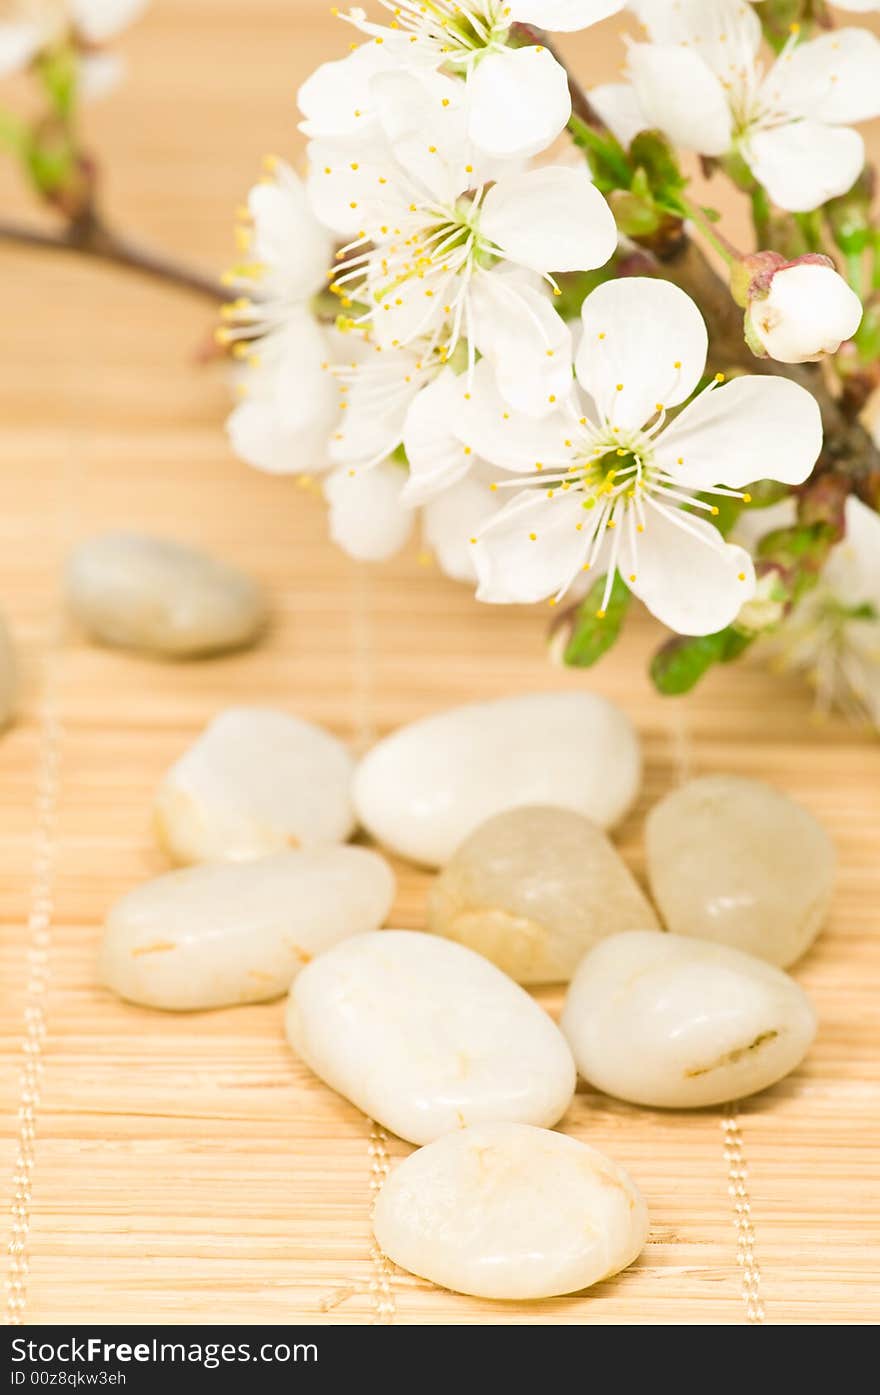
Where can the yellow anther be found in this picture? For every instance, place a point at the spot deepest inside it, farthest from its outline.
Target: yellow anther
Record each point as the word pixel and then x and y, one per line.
pixel 600 614
pixel 747 498
pixel 742 576
pixel 602 335
pixel 270 163
pixel 715 511
pixel 533 537
pixel 620 387
pixel 719 377
pixel 677 363
pixel 552 397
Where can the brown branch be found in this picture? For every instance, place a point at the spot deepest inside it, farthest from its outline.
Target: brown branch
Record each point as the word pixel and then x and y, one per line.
pixel 91 237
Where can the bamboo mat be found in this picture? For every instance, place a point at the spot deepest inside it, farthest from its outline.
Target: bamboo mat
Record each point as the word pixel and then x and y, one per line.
pixel 187 1168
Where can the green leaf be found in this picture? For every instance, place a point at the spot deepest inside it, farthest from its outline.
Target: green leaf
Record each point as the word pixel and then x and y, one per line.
pixel 57 69
pixel 680 664
pixel 606 156
pixel 13 133
pixel 595 632
pixel 652 152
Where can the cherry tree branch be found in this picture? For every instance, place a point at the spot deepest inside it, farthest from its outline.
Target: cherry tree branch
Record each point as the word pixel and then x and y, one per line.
pixel 90 236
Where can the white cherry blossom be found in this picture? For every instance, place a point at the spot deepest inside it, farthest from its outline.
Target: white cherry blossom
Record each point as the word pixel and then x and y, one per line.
pixel 701 81
pixel 608 483
pixel 27 27
pixel 517 94
pixel 833 634
pixel 445 248
pixel 289 402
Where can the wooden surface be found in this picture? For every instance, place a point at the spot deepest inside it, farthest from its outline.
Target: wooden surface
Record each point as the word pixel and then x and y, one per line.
pixel 185 1168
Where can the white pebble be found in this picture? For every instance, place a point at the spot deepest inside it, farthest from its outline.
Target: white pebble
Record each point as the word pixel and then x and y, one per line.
pixel 225 933
pixel 678 1022
pixel 426 1036
pixel 156 595
pixel 423 789
pixel 507 1211
pixel 255 782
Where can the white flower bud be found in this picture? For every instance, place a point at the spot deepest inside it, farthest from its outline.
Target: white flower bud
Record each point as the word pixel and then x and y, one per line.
pixel 800 311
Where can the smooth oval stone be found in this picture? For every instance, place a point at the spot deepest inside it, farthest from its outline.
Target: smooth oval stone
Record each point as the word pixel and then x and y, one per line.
pixel 736 861
pixel 153 594
pixel 225 933
pixel 425 1036
pixel 533 889
pixel 255 782
pixel 508 1211
pixel 672 1021
pixel 422 790
pixel 8 676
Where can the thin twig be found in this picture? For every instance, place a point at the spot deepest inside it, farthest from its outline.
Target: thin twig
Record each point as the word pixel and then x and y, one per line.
pixel 91 237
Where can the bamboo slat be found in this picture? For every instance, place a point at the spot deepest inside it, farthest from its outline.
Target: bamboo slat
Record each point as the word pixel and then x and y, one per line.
pixel 187 1168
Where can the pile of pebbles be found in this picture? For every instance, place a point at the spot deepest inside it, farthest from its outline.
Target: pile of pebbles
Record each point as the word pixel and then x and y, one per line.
pixel 433 1034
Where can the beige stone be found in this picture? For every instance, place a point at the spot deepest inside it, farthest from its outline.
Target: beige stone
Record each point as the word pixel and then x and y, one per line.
pixel 508 1211
pixel 533 889
pixel 677 1022
pixel 225 933
pixel 255 782
pixel 737 861
pixel 425 1036
pixel 159 596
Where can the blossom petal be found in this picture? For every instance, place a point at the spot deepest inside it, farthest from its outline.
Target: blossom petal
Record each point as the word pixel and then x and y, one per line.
pixel 335 99
pixel 344 188
pixel 259 438
pixel 367 517
pixel 644 344
pixel 99 20
pixel 563 16
pixel 515 326
pixel 619 108
pixel 293 366
pixel 550 219
pixel 287 237
pixel 19 43
pixel 725 33
pixel 98 74
pixel 496 432
pixel 685 573
pixel 755 523
pixel 803 164
pixel 853 569
pixel 452 520
pixel 531 549
pixel 376 403
pixel 519 101
pixel 752 428
pixel 424 118
pixel 437 458
pixel 834 78
pixel 680 94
